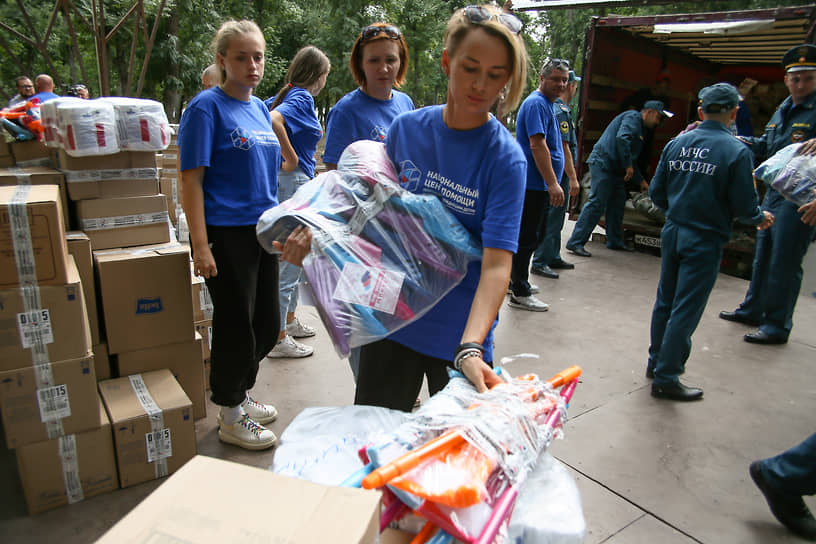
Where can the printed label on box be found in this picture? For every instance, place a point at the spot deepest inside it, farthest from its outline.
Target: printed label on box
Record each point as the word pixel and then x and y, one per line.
pixel 159 445
pixel 205 302
pixel 35 328
pixel 373 287
pixel 209 337
pixel 54 404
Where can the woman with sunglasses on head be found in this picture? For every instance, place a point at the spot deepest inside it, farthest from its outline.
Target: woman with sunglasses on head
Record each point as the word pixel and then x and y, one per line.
pixel 378 62
pixel 229 163
pixel 459 152
pixel 296 125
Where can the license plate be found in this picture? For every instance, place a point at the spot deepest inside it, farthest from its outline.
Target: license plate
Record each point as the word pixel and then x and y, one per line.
pixel 650 241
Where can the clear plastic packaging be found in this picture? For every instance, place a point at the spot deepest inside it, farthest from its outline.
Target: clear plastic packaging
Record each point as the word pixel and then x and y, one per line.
pixel 87 127
pixel 141 124
pixel 770 167
pixel 381 256
pixel 797 180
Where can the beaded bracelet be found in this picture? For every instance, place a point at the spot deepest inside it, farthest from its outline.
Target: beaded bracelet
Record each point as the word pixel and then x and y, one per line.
pixel 464 354
pixel 468 345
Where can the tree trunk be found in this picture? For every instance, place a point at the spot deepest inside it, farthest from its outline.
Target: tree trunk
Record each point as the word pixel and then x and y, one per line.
pixel 172 96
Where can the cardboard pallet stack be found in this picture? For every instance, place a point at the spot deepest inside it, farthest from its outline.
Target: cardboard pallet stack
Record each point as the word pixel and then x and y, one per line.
pixel 169 178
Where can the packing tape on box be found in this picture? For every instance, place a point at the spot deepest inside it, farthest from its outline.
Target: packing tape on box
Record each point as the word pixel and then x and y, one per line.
pixel 70 468
pixel 158 443
pixel 74 176
pixel 34 322
pixel 23 178
pixel 122 221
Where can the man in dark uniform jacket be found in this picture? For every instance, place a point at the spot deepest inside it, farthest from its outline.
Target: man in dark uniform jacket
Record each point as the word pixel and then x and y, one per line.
pixel 703 181
pixel 612 163
pixel 777 266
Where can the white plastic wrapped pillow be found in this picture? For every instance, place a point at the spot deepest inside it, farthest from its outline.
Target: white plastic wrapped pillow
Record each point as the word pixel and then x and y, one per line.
pixel 141 124
pixel 87 127
pixel 48 117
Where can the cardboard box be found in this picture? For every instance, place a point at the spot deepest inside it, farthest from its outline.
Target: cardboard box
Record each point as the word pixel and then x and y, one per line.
pixel 127 173
pixel 148 447
pixel 102 364
pixel 204 328
pixel 169 187
pixel 202 302
pixel 38 175
pixel 70 401
pixel 184 360
pixel 79 246
pixel 31 153
pixel 124 222
pixel 202 502
pixel 117 161
pixel 146 297
pixel 46 235
pixel 60 322
pixel 69 469
pixel 395 536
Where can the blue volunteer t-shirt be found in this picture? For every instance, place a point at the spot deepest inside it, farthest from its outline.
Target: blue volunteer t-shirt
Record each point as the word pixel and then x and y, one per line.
pixel 537 116
pixel 302 125
pixel 234 140
pixel 358 116
pixel 479 176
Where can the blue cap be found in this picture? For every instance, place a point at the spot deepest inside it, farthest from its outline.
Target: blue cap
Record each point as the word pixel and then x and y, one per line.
pixel 718 98
pixel 573 77
pixel 658 106
pixel 799 58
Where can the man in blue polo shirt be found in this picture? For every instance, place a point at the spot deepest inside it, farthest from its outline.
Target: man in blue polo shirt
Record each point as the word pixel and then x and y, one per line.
pixel 703 181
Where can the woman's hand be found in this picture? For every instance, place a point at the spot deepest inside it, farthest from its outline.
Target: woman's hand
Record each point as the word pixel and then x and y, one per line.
pixel 204 262
pixel 289 166
pixel 480 374
pixel 297 246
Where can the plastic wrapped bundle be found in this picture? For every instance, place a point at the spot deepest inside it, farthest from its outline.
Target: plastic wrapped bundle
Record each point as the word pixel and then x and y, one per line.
pixel 773 165
pixel 797 180
pixel 381 256
pixel 48 115
pixel 87 127
pixel 141 125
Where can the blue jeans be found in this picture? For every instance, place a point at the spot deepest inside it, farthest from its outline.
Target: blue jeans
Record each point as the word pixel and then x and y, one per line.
pixel 290 275
pixel 794 471
pixel 777 269
pixel 549 246
pixel 607 195
pixel 689 264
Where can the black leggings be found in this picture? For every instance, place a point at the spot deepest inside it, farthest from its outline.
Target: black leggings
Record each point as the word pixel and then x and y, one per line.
pixel 246 318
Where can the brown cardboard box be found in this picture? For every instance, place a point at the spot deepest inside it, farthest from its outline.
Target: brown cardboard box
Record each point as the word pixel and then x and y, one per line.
pixel 204 328
pixel 5 150
pixel 60 321
pixel 169 187
pixel 395 536
pixel 145 295
pixel 202 303
pixel 116 161
pixel 127 173
pixel 69 469
pixel 79 245
pixel 102 362
pixel 46 233
pixel 202 502
pixel 124 222
pixel 38 175
pixel 184 360
pixel 145 452
pixel 71 401
pixel 31 153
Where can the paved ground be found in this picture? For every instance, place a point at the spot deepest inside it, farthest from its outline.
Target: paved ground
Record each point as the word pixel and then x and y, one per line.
pixel 648 470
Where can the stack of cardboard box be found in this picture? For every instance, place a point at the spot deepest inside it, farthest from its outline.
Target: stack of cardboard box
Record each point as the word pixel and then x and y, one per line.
pixel 170 178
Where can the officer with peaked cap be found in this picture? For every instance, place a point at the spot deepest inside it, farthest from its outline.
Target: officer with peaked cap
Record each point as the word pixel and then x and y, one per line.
pixel 612 163
pixel 703 181
pixel 777 267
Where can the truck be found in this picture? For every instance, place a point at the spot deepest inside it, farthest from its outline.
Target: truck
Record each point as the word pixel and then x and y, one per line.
pixel 627 55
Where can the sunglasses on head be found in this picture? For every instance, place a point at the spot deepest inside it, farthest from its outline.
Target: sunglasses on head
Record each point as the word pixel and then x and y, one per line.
pixel 373 31
pixel 558 62
pixel 478 15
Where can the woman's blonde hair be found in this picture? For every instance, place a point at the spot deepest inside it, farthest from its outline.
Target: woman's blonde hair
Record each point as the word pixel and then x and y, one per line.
pixel 226 33
pixel 459 26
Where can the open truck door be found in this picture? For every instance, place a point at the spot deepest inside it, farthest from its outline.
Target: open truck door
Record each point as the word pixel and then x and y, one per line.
pixel 624 56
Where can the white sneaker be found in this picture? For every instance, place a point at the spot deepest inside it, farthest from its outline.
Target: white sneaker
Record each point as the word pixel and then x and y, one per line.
pixel 296 329
pixel 534 289
pixel 247 434
pixel 261 413
pixel 530 303
pixel 288 348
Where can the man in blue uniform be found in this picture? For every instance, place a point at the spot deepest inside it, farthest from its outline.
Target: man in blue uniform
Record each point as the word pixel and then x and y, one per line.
pixel 777 267
pixel 612 163
pixel 539 137
pixel 547 257
pixel 704 181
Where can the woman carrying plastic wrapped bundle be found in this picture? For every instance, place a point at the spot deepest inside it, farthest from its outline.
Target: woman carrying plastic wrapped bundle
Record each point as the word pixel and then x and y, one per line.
pixel 296 125
pixel 229 163
pixel 462 154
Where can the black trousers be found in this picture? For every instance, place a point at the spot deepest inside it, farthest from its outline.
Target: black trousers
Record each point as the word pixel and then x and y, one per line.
pixel 391 375
pixel 533 216
pixel 246 317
